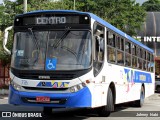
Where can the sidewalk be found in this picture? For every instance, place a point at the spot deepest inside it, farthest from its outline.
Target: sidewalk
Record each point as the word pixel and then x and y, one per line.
pixel 4 93
pixel 3 96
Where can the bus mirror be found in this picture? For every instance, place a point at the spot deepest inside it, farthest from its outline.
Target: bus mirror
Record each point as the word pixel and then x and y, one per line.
pixel 6 39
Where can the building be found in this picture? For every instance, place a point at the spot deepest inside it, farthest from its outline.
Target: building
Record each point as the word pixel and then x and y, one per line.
pixel 150 35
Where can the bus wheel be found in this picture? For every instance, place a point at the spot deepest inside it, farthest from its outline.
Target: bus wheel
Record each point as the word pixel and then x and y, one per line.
pixel 140 102
pixel 47 110
pixel 106 110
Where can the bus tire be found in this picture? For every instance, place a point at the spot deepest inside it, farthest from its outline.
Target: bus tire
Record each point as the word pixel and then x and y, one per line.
pixel 47 110
pixel 140 102
pixel 106 110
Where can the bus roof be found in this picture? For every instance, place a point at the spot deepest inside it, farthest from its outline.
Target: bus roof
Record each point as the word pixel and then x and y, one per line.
pixel 98 19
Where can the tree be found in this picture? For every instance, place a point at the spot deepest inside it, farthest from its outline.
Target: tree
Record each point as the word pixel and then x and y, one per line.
pixel 123 14
pixel 152 5
pixel 127 15
pixel 6 19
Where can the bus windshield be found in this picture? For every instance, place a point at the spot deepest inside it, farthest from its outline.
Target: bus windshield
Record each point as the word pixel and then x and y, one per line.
pixel 52 50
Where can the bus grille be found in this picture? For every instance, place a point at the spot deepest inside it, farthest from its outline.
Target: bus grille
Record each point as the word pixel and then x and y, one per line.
pixel 53 77
pixel 44 89
pixel 50 75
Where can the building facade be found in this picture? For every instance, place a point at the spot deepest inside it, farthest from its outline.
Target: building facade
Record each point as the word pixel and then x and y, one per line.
pixel 150 35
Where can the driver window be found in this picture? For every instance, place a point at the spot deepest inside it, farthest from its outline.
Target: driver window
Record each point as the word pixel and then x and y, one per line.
pixel 99 48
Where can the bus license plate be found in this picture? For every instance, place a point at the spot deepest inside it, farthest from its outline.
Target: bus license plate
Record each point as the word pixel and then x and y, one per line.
pixel 42 99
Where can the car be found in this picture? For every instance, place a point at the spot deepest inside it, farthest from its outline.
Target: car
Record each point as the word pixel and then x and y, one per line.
pixel 157 83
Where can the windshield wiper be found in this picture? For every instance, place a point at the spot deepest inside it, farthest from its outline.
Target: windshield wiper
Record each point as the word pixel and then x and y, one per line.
pixel 35 40
pixel 57 43
pixel 37 46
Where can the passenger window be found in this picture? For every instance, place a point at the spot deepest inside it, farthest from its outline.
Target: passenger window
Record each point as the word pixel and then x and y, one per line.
pixel 111 54
pixel 120 43
pixel 127 47
pixel 99 47
pixel 128 59
pixel 120 57
pixel 144 65
pixel 140 65
pixel 111 39
pixel 133 49
pixel 144 55
pixel 138 51
pixel 152 63
pixel 134 62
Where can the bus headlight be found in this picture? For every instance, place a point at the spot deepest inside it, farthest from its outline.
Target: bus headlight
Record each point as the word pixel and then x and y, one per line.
pixel 15 85
pixel 77 87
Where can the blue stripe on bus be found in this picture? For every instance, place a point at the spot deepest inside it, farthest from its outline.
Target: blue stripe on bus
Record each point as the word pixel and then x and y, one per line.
pixel 81 98
pixel 98 19
pixel 134 76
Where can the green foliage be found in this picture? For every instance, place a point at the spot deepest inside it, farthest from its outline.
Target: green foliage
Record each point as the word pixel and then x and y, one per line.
pixel 126 15
pixel 123 14
pixel 152 5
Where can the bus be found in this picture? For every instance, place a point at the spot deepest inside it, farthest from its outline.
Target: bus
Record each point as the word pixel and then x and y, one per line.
pixel 73 59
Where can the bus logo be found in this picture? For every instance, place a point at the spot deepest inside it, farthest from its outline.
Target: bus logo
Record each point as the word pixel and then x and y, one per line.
pixel 44 77
pixel 43 84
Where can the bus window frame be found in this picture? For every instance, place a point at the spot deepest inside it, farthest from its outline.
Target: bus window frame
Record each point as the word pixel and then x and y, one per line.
pixel 95 61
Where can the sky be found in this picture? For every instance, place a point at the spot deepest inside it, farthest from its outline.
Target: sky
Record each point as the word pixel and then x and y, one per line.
pixel 139 1
pixel 2 0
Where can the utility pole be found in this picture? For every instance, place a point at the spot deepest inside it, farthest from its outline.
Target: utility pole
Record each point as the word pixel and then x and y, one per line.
pixel 74 4
pixel 25 6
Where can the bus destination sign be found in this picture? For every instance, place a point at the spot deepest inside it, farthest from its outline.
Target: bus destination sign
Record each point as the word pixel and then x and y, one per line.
pixel 50 20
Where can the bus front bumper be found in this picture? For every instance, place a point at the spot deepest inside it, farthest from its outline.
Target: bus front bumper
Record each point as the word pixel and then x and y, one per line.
pixel 81 98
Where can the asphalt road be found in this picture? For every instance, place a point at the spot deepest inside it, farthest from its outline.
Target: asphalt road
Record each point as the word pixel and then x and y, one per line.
pixel 122 112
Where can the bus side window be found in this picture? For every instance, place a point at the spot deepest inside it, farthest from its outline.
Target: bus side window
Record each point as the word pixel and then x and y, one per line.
pixel 111 54
pixel 111 51
pixel 120 50
pixel 152 60
pixel 127 53
pixel 99 48
pixel 134 57
pixel 148 61
pixel 111 39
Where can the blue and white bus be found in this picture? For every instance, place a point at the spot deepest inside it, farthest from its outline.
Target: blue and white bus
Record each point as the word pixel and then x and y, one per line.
pixel 72 59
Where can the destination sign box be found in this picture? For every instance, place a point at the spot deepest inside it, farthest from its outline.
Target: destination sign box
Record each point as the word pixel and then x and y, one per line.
pixel 53 19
